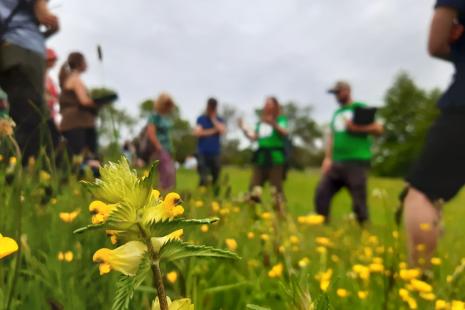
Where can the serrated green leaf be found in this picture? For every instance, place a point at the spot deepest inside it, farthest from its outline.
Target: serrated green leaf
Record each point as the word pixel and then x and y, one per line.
pixel 126 286
pixel 89 227
pixel 174 250
pixel 161 229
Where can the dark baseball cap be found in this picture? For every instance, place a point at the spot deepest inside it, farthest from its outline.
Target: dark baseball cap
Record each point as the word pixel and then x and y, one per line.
pixel 338 86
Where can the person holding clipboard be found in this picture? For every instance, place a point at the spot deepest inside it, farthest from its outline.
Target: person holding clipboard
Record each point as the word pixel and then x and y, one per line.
pixel 348 153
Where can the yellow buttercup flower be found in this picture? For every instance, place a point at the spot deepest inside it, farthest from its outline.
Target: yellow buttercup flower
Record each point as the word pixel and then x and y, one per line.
pixel 67 256
pixel 250 235
pixel 44 176
pixel 342 293
pixel 266 216
pixel 215 206
pixel 199 204
pixel 323 241
pixel 312 219
pixel 172 277
pixel 304 262
pixel 325 279
pixel 441 305
pixel 204 228
pixel 231 244
pixel 276 271
pixel 436 261
pixel 457 305
pixel 101 211
pixel 421 286
pixel 69 217
pixel 409 274
pixel 8 246
pixel 294 240
pixel 377 268
pixel 361 271
pixel 428 296
pixel 362 295
pixel 125 259
pixel 13 161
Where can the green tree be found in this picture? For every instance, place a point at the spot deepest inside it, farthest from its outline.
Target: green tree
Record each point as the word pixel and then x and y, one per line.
pixel 408 113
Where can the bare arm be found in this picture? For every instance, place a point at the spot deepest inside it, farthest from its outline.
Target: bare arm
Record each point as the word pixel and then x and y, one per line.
pixel 152 135
pixel 375 129
pixel 219 126
pixel 44 16
pixel 200 132
pixel 444 31
pixel 328 161
pixel 81 92
pixel 281 130
pixel 252 136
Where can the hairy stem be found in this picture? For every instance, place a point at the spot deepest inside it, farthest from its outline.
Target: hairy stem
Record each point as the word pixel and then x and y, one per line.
pixel 156 271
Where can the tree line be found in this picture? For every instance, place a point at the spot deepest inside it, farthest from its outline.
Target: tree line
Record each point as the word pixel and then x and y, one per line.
pixel 407 112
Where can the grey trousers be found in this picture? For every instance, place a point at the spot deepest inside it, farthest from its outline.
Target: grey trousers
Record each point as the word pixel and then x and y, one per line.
pixel 353 176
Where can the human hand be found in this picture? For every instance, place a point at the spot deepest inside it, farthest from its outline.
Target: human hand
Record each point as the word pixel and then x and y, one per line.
pixel 326 165
pixel 49 20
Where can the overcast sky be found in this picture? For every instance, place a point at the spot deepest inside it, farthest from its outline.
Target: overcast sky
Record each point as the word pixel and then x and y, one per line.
pixel 243 50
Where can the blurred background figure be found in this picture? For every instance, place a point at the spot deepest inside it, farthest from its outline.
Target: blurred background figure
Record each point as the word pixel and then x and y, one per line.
pixel 22 70
pixel 209 129
pixel 78 110
pixel 51 90
pixel 191 163
pixel 158 144
pixel 270 159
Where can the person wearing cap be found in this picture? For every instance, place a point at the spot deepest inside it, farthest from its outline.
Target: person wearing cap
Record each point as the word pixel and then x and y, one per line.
pixel 439 173
pixel 22 69
pixel 51 90
pixel 347 157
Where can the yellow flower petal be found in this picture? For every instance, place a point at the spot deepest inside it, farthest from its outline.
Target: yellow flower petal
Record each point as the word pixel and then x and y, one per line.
pixel 8 246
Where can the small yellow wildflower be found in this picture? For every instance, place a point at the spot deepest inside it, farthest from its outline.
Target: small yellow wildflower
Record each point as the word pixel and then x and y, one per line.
pixel 69 217
pixel 428 296
pixel 409 274
pixel 412 303
pixel 457 305
pixel 172 277
pixel 377 268
pixel 342 293
pixel 265 237
pixel 425 226
pixel 395 234
pixel 294 240
pixel 420 247
pixel 13 161
pixel 8 246
pixel 304 262
pixel 323 241
pixel 215 206
pixel 276 271
pixel 404 294
pixel 67 256
pixel 441 305
pixel 250 235
pixel 436 261
pixel 421 286
pixel 321 250
pixel 362 272
pixel 362 295
pixel 312 219
pixel 231 244
pixel 204 228
pixel 199 204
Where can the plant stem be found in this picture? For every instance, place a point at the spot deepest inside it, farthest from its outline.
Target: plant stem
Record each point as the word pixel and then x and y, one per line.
pixel 156 271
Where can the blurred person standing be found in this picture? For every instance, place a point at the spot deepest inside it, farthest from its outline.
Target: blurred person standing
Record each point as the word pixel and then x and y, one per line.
pixel 22 69
pixel 78 110
pixel 439 173
pixel 347 157
pixel 209 129
pixel 158 133
pixel 270 159
pixel 51 90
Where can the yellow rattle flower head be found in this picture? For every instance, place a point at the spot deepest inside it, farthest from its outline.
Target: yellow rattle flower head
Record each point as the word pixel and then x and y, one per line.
pixel 101 211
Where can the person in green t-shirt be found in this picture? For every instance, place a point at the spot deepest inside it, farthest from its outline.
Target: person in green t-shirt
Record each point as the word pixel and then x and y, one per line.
pixel 270 158
pixel 347 157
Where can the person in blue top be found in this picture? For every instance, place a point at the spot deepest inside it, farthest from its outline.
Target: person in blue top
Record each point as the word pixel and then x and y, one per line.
pixel 22 68
pixel 439 173
pixel 209 129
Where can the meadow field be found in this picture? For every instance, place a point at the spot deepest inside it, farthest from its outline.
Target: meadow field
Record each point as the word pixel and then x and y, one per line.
pixel 296 263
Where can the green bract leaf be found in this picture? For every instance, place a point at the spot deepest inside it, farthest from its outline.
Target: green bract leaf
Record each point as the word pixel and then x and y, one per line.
pixel 127 285
pixel 161 229
pixel 123 218
pixel 118 183
pixel 174 250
